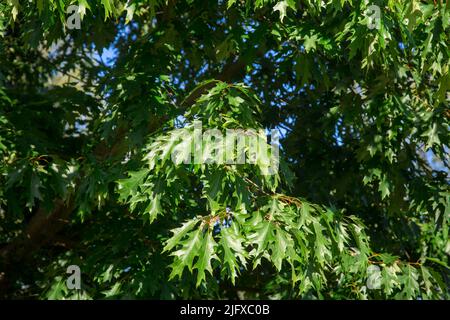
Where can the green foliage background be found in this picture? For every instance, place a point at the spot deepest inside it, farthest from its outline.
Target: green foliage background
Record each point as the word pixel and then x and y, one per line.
pixel 85 142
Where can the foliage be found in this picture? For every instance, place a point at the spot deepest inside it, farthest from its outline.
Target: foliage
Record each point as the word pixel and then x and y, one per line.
pixel 90 119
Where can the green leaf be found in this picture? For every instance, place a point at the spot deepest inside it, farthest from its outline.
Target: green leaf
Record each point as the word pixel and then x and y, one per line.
pixel 113 291
pixel 230 3
pixel 130 8
pixel 261 237
pixel 279 247
pixel 154 208
pixel 109 6
pixel 282 7
pixel 206 254
pixel 432 135
pixel 389 279
pixel 388 258
pixel 57 290
pixel 35 185
pixel 384 188
pixel 214 183
pixel 310 42
pixel 179 234
pixel 184 257
pixel 130 186
pixel 322 252
pixel 409 281
pixel 233 251
pixel 15 8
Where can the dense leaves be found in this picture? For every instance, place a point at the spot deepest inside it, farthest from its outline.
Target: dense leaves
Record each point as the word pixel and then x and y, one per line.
pixel 98 132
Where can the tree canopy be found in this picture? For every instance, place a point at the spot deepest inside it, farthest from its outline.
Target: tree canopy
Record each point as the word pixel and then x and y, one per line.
pixel 91 115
